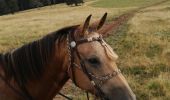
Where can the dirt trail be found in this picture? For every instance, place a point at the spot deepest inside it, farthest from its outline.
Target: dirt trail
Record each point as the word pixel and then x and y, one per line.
pixel 124 18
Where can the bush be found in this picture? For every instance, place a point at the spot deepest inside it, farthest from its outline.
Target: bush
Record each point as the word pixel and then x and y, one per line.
pixel 3 7
pixel 13 5
pixel 46 2
pixel 76 2
pixel 35 4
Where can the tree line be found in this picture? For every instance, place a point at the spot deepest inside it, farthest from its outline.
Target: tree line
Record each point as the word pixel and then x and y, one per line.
pixel 12 6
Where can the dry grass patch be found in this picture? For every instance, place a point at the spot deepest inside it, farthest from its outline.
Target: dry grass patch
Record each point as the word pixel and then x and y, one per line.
pixel 151 22
pixel 152 30
pixel 143 46
pixel 29 25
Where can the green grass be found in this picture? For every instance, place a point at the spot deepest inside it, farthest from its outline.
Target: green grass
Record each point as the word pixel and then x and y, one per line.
pixel 123 3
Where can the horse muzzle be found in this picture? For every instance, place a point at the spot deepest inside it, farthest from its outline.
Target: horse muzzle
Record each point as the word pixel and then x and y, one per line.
pixel 119 94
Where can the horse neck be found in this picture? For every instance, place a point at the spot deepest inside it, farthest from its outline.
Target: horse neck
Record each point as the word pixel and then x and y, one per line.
pixel 54 76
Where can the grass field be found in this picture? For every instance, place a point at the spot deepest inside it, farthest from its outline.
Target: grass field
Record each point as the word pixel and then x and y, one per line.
pixel 26 26
pixel 123 3
pixel 143 44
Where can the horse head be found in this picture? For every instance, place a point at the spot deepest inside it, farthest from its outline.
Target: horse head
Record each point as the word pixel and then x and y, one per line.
pixel 93 63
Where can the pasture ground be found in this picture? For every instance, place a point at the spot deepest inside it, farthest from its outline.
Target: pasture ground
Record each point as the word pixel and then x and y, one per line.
pixel 143 44
pixel 123 3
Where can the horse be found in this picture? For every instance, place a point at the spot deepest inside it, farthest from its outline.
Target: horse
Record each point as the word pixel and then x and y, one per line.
pixel 38 70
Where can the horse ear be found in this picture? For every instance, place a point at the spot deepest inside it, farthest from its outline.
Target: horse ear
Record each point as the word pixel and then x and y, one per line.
pixel 108 28
pixel 102 21
pixel 86 24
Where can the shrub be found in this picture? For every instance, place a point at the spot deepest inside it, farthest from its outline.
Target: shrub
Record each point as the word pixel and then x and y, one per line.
pixel 3 7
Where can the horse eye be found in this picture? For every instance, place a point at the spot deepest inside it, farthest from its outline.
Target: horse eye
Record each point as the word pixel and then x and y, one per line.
pixel 94 61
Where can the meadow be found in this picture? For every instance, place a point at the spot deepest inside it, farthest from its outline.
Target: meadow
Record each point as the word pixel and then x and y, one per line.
pixel 123 3
pixel 143 43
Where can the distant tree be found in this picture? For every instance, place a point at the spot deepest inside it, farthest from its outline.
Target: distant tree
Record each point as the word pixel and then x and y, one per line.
pixel 12 5
pixel 36 3
pixel 4 7
pixel 57 1
pixel 60 1
pixel 20 4
pixel 7 6
pixel 52 1
pixel 80 1
pixel 76 2
pixel 28 4
pixel 46 2
pixel 24 4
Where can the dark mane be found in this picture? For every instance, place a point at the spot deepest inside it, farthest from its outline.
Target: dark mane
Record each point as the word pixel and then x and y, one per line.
pixel 29 60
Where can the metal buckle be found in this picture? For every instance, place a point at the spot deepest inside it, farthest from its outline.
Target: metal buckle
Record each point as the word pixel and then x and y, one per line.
pixel 93 83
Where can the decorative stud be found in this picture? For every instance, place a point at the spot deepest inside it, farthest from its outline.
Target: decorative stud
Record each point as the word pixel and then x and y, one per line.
pixel 119 70
pixel 92 82
pixel 73 44
pixel 89 39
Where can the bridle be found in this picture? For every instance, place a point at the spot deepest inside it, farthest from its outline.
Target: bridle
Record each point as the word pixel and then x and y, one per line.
pixel 96 81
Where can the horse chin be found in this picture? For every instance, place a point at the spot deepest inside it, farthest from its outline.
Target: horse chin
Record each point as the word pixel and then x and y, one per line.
pixel 110 97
